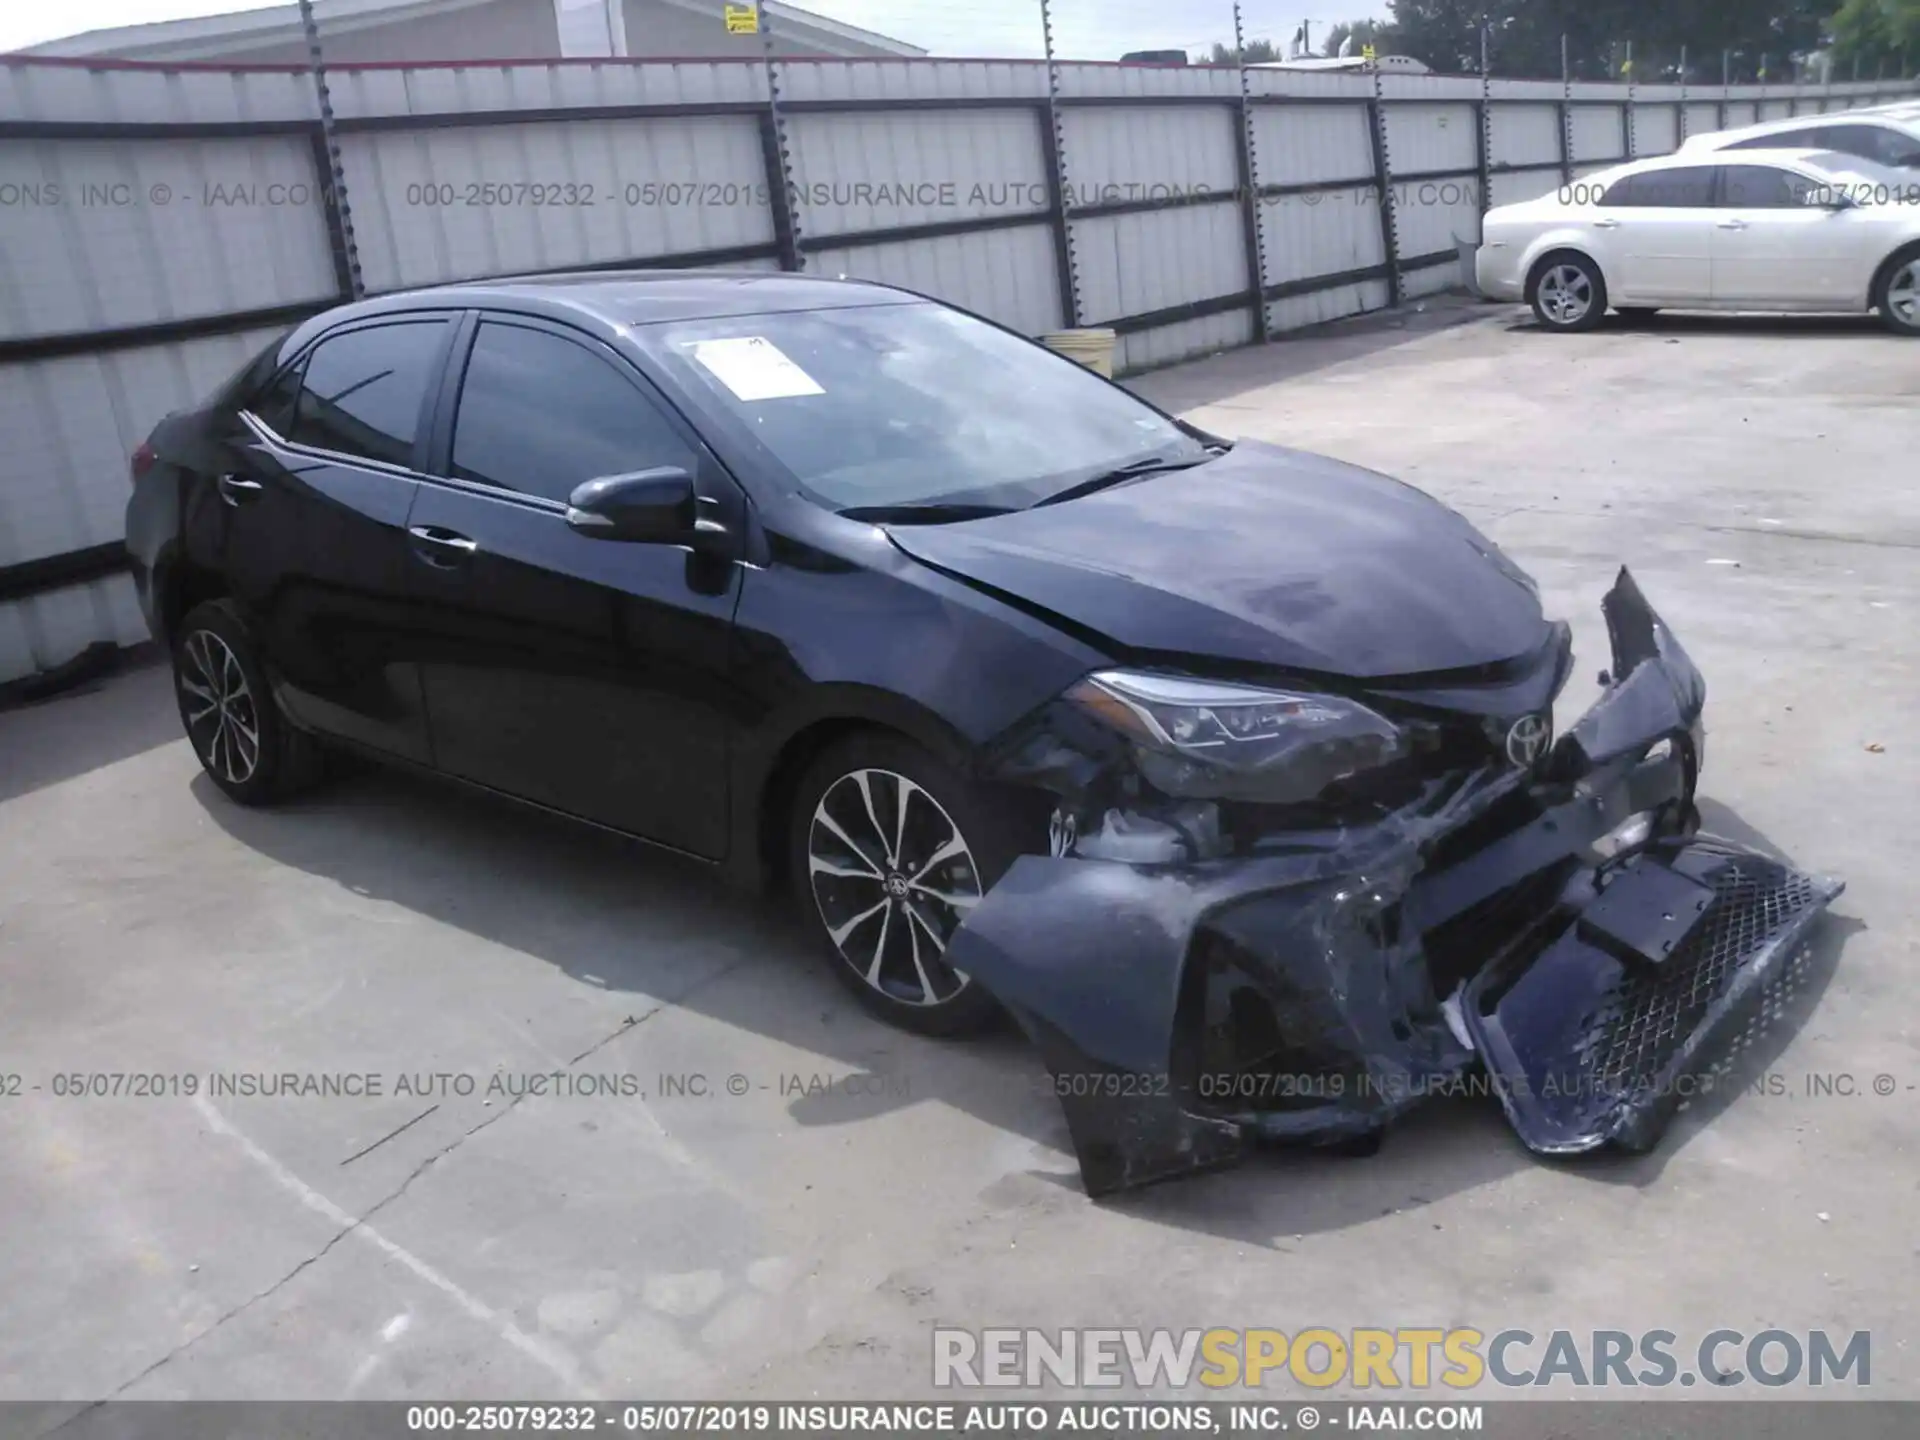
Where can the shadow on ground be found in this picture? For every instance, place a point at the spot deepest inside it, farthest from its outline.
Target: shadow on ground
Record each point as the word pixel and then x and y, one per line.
pixel 105 721
pixel 577 899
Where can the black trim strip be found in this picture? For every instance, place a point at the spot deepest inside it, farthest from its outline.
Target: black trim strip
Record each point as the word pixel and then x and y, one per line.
pixel 1317 187
pixel 1319 284
pixel 474 119
pixel 159 332
pixel 1182 201
pixel 1471 172
pixel 1284 290
pixel 58 572
pixel 1176 314
pixel 151 129
pixel 933 230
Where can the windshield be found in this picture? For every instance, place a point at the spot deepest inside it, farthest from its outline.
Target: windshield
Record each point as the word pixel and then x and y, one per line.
pixel 891 407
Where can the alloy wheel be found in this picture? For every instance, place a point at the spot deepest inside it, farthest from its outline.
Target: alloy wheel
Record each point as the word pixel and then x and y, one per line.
pixel 893 878
pixel 1566 294
pixel 218 705
pixel 1903 294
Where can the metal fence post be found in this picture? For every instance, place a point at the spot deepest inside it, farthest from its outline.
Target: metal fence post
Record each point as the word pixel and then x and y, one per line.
pixel 1566 115
pixel 1726 86
pixel 346 252
pixel 776 154
pixel 1055 141
pixel 1249 164
pixel 1485 157
pixel 1629 122
pixel 1680 116
pixel 1383 178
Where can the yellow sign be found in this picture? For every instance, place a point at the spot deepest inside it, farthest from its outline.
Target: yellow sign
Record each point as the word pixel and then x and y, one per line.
pixel 742 20
pixel 1367 53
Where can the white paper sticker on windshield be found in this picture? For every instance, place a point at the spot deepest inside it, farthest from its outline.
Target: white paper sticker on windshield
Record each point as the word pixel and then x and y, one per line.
pixel 754 368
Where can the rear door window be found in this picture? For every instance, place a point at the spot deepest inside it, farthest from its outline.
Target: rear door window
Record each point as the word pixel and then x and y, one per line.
pixel 361 393
pixel 1684 189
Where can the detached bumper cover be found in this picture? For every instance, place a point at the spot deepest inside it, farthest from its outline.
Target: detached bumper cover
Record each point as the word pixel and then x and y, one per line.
pixel 1317 989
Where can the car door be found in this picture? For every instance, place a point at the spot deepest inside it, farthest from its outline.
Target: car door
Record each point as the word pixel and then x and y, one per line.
pixel 1779 242
pixel 1658 231
pixel 588 675
pixel 312 517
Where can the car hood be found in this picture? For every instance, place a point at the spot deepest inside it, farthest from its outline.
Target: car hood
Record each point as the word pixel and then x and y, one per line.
pixel 1265 555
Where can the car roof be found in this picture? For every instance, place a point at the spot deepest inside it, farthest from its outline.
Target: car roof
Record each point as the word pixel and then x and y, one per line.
pixel 1890 117
pixel 641 297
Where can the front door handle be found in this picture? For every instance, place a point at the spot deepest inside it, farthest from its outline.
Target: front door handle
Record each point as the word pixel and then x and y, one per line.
pixel 1606 224
pixel 237 490
pixel 1732 224
pixel 443 549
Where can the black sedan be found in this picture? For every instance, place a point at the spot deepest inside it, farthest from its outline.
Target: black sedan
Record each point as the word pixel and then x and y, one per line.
pixel 1227 770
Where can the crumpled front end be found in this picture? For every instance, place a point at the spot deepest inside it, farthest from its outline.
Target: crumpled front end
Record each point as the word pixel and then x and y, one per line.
pixel 1559 923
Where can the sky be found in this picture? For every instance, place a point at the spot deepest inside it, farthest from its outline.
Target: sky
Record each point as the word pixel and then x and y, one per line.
pixel 1088 29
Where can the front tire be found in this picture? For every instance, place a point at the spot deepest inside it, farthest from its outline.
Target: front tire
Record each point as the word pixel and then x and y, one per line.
pixel 243 743
pixel 1567 292
pixel 1896 293
pixel 890 849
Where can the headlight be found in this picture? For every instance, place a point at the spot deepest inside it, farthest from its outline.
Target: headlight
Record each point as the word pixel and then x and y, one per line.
pixel 1196 739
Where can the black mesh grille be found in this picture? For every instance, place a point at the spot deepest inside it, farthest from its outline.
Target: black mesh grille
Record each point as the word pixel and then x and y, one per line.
pixel 1642 1023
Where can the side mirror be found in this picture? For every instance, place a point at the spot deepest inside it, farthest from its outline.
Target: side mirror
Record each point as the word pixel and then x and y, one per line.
pixel 655 506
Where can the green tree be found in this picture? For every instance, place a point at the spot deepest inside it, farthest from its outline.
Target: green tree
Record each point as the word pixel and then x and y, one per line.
pixel 1254 52
pixel 1364 33
pixel 1873 34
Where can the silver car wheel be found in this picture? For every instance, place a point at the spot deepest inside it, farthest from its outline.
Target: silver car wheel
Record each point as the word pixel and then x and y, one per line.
pixel 892 878
pixel 1566 294
pixel 218 706
pixel 1903 294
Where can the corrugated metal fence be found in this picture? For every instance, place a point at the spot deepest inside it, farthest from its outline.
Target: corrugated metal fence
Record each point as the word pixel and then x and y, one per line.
pixel 158 225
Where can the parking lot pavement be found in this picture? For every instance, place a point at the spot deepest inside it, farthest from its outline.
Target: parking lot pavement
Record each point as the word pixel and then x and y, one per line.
pixel 792 1232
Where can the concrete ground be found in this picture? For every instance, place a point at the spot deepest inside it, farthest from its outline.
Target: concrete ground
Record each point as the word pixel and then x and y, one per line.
pixel 796 1240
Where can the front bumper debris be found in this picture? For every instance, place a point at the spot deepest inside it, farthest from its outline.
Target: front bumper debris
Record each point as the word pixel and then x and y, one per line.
pixel 1561 926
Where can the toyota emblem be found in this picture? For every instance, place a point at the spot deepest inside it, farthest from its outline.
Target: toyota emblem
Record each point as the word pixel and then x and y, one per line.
pixel 1527 739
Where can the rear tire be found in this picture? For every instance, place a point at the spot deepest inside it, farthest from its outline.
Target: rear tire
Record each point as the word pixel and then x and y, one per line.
pixel 1567 292
pixel 888 852
pixel 1896 292
pixel 237 731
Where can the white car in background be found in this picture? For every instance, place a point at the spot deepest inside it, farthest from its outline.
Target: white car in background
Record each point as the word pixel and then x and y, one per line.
pixel 1761 230
pixel 1887 135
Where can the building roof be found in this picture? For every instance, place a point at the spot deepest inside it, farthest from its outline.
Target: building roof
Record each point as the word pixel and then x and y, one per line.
pixel 210 35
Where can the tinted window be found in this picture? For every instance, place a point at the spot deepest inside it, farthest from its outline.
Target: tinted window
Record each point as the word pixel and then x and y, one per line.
pixel 362 390
pixel 1806 138
pixel 1761 187
pixel 274 404
pixel 1621 192
pixel 1674 189
pixel 1873 142
pixel 541 414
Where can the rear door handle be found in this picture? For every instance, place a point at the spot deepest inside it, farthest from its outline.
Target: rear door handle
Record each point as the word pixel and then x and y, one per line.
pixel 236 490
pixel 1606 224
pixel 1732 224
pixel 442 549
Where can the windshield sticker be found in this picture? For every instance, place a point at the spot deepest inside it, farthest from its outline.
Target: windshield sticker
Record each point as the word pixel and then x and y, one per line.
pixel 754 368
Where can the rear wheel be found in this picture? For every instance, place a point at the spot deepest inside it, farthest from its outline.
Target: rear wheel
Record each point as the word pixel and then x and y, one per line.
pixel 1896 294
pixel 1567 292
pixel 890 851
pixel 236 730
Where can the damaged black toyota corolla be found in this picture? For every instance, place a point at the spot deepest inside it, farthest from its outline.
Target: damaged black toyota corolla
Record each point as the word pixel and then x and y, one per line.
pixel 1226 769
